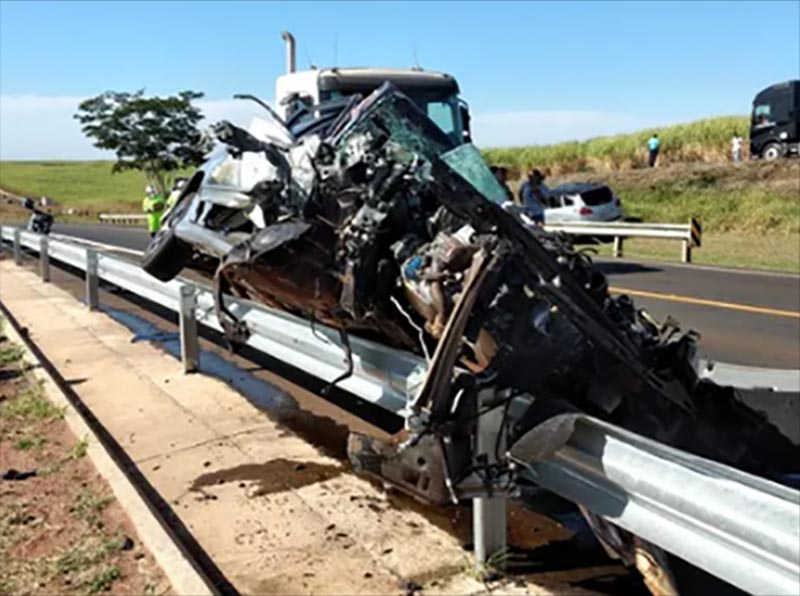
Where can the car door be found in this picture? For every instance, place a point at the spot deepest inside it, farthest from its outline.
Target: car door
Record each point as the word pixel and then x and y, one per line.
pixel 562 210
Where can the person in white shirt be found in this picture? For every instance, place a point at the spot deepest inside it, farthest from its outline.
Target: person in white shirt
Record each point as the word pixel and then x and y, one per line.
pixel 736 147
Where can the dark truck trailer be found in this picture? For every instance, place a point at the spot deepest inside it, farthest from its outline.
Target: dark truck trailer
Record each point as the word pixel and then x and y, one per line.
pixel 775 123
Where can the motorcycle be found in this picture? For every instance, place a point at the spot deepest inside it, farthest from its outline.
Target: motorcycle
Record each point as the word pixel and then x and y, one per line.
pixel 39 222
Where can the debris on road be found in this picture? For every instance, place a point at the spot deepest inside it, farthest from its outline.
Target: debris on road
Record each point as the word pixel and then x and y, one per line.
pixel 371 220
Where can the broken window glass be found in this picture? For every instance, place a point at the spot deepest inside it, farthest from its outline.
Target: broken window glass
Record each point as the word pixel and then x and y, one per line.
pixel 467 161
pixel 394 115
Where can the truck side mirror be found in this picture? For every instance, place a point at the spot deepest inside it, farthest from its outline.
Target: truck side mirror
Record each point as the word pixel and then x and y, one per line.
pixel 465 121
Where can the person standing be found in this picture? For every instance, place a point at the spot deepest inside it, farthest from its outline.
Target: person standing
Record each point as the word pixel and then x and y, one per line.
pixel 736 147
pixel 177 187
pixel 533 194
pixel 153 205
pixel 501 174
pixel 653 146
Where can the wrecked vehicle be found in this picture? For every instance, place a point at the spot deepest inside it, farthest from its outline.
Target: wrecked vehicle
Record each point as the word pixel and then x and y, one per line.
pixel 378 224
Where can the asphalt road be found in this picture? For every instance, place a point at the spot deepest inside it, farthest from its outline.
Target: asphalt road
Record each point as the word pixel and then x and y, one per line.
pixel 743 317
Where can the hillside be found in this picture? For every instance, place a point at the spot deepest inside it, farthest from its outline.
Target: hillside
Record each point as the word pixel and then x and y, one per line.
pixel 750 211
pixel 751 198
pixel 84 185
pixel 702 141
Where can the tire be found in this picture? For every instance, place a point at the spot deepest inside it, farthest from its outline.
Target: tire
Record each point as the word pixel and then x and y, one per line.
pixel 771 152
pixel 166 255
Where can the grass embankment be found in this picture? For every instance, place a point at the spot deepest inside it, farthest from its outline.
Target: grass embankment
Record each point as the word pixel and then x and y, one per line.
pixel 750 211
pixel 82 185
pixel 702 141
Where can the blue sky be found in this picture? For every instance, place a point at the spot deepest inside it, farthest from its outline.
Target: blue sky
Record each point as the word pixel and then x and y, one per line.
pixel 533 72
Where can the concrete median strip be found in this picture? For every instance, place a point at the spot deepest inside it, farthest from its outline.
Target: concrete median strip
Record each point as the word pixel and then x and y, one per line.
pixel 272 512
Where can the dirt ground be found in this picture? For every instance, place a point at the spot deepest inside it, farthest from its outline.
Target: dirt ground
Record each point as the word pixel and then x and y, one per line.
pixel 61 530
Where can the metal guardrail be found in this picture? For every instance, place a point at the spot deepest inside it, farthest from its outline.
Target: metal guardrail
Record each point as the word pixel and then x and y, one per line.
pixel 741 528
pixel 123 219
pixel 750 377
pixel 738 527
pixel 689 234
pixel 379 374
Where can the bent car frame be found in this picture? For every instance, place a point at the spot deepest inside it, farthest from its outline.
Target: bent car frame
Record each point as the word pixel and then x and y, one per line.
pixel 377 224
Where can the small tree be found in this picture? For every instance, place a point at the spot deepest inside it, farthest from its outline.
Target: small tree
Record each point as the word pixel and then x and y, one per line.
pixel 155 135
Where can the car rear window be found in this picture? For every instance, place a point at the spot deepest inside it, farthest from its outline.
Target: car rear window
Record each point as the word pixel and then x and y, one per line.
pixel 597 196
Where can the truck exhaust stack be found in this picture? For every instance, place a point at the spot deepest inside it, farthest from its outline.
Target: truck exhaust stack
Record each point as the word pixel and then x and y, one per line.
pixel 290 51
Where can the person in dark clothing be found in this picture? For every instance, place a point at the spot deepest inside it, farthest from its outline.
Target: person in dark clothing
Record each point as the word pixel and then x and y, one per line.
pixel 501 174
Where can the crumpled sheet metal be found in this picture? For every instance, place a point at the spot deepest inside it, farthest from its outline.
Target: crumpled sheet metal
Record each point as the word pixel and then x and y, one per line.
pixel 375 232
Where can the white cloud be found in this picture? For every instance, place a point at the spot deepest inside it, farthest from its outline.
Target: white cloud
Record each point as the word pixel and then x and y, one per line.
pixel 33 127
pixel 42 128
pixel 511 129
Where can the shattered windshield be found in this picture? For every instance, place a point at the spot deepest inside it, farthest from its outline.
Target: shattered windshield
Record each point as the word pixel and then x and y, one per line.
pixel 395 116
pixel 442 111
pixel 467 161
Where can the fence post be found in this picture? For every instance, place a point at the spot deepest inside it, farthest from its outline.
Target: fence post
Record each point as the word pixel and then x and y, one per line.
pixel 190 349
pixel 92 280
pixel 44 259
pixel 17 246
pixel 618 242
pixel 686 250
pixel 489 513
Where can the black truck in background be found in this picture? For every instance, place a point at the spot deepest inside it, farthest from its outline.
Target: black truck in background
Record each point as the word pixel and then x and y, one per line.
pixel 775 124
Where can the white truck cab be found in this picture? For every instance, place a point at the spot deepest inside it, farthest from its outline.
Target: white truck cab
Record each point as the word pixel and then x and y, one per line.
pixel 435 93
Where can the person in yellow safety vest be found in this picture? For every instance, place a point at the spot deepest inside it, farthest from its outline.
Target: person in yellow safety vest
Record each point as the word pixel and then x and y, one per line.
pixel 177 187
pixel 153 204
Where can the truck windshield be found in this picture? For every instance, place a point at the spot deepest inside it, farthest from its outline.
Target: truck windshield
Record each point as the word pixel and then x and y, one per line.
pixel 762 114
pixel 444 112
pixel 445 115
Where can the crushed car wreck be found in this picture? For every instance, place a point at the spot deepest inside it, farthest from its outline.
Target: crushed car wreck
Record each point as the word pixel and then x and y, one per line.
pixel 374 222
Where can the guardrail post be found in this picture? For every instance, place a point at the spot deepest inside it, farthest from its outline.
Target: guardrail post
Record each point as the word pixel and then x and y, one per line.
pixel 92 280
pixel 618 242
pixel 686 250
pixel 489 513
pixel 18 246
pixel 190 349
pixel 44 259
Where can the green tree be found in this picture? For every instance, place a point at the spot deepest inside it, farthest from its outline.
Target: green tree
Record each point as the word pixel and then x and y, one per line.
pixel 155 135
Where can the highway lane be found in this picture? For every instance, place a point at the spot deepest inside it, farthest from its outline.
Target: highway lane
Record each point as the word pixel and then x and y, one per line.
pixel 134 237
pixel 748 317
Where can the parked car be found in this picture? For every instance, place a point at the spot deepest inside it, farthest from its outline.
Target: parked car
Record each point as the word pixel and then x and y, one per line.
pixel 585 201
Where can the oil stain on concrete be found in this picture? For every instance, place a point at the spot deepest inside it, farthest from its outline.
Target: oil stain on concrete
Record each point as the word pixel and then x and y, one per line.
pixel 274 476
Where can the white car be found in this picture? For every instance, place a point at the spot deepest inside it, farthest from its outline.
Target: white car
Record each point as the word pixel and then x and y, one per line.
pixel 583 201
